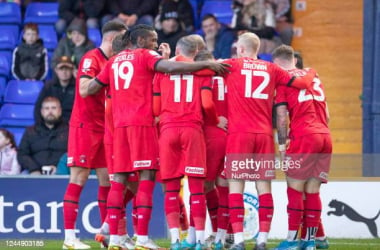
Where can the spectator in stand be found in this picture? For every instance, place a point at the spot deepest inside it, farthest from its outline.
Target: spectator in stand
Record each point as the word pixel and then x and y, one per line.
pixel 30 57
pixel 284 22
pixel 133 12
pixel 44 143
pixel 62 86
pixel 219 38
pixel 184 10
pixel 172 29
pixel 88 10
pixel 8 154
pixel 256 16
pixel 75 44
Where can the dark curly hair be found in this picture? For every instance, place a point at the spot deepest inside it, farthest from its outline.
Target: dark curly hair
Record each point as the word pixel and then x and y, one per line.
pixel 7 134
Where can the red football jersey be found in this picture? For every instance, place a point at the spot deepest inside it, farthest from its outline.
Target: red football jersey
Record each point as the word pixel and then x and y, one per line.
pixel 219 91
pixel 181 103
pixel 130 76
pixel 88 112
pixel 251 84
pixel 302 112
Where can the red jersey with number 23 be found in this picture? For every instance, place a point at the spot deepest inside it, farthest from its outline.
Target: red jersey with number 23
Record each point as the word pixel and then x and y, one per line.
pixel 130 77
pixel 251 85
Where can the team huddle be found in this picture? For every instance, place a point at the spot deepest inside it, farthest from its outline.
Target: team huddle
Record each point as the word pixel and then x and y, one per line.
pixel 141 117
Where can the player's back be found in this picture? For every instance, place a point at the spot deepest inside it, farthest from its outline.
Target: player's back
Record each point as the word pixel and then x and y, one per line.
pixel 181 103
pixel 219 97
pixel 88 112
pixel 304 107
pixel 130 75
pixel 251 85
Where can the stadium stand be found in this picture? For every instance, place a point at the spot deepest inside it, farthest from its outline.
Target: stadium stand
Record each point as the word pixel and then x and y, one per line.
pixel 41 13
pixel 95 36
pixel 16 115
pixel 9 37
pixel 10 13
pixel 22 92
pixel 220 8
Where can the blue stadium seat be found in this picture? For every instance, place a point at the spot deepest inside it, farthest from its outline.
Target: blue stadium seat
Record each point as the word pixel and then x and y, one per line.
pixel 195 4
pixel 3 84
pixel 5 67
pixel 10 13
pixel 265 57
pixel 8 37
pixel 95 36
pixel 16 115
pixel 41 13
pixel 22 92
pixel 49 36
pixel 7 54
pixel 220 8
pixel 18 132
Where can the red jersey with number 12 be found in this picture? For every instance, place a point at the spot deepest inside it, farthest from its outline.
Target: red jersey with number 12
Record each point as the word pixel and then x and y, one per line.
pixel 130 78
pixel 251 85
pixel 88 112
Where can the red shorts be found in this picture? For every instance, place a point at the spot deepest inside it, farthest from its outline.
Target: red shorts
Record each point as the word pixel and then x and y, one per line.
pixel 86 148
pixel 216 140
pixel 250 157
pixel 312 154
pixel 182 152
pixel 135 148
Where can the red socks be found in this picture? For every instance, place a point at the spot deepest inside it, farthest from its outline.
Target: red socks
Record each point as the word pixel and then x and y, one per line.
pixel 236 209
pixel 313 208
pixel 134 215
pixel 265 212
pixel 70 205
pixel 115 206
pixel 223 215
pixel 212 199
pixel 172 209
pixel 197 202
pixel 320 231
pixel 144 202
pixel 102 201
pixel 295 209
pixel 183 221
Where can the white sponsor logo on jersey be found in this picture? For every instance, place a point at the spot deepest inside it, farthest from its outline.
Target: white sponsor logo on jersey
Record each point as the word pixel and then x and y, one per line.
pixel 142 164
pixel 70 160
pixel 86 64
pixel 194 170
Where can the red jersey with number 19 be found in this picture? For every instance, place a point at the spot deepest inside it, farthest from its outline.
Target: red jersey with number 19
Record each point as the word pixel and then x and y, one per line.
pixel 130 75
pixel 251 84
pixel 89 112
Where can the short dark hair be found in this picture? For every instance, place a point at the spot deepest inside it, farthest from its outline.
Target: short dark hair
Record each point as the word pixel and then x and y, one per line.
pixel 208 16
pixel 113 26
pixel 283 52
pixel 118 44
pixel 7 134
pixel 51 99
pixel 204 55
pixel 139 30
pixel 298 56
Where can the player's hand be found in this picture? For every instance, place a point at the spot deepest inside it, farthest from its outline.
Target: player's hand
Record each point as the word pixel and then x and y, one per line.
pixel 219 68
pixel 164 48
pixel 223 123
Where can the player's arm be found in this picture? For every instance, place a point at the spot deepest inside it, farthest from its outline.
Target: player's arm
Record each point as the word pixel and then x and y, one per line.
pixel 156 104
pixel 282 127
pixel 327 113
pixel 84 83
pixel 94 86
pixel 185 67
pixel 208 105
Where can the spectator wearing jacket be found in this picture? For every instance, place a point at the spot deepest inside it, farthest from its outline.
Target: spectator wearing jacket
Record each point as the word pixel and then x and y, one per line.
pixel 8 154
pixel 62 86
pixel 44 143
pixel 218 37
pixel 88 10
pixel 133 12
pixel 30 57
pixel 75 44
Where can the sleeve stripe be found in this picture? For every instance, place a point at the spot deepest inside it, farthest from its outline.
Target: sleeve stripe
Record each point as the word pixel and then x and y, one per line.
pixel 291 81
pixel 156 94
pixel 280 104
pixel 206 87
pixel 99 82
pixel 85 76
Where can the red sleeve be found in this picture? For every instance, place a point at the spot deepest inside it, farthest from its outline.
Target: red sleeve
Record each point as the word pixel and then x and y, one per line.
pixel 103 76
pixel 207 102
pixel 280 98
pixel 152 57
pixel 89 66
pixel 305 81
pixel 204 72
pixel 157 94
